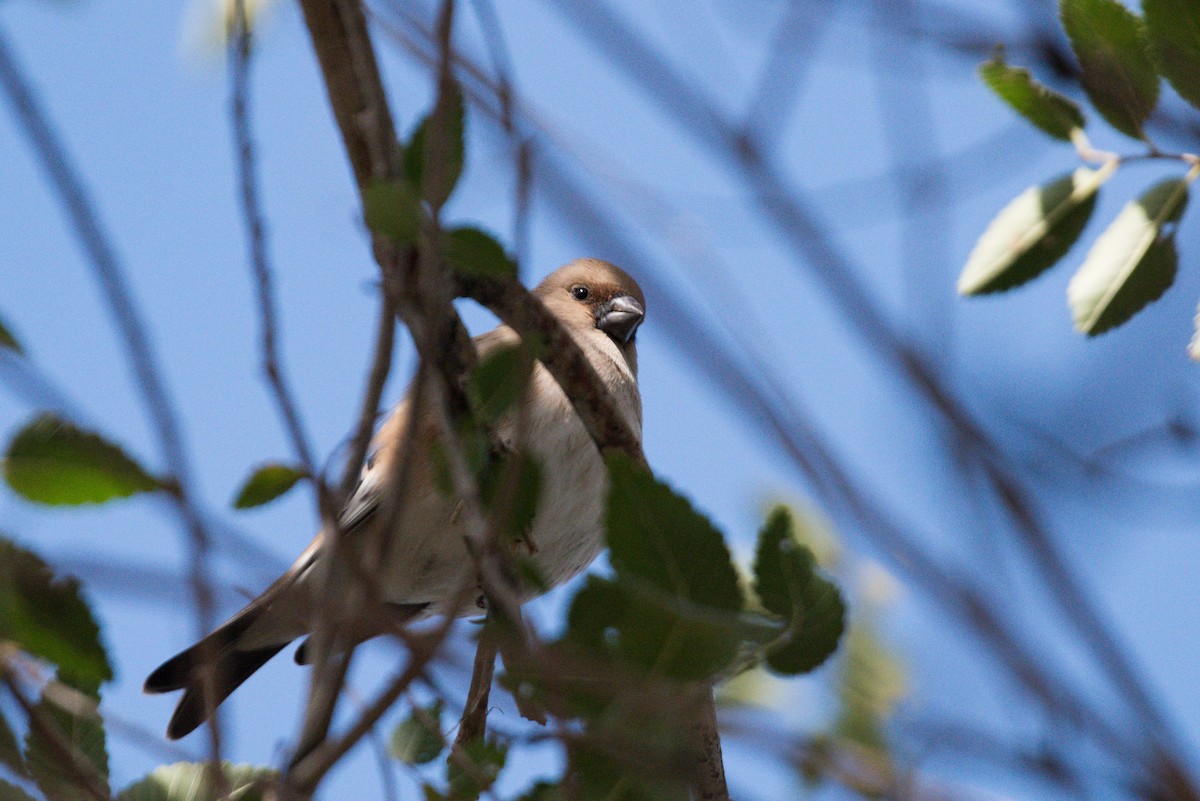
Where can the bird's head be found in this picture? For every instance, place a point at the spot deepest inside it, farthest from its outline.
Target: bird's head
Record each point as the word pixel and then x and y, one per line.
pixel 593 294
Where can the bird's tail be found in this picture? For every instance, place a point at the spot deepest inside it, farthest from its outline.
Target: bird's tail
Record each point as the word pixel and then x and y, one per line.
pixel 187 671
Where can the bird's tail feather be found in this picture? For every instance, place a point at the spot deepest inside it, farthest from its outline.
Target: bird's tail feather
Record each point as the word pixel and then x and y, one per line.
pixel 230 667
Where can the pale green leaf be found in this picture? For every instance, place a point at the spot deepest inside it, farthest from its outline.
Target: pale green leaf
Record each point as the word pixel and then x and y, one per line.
pixel 419 739
pixel 1032 233
pixel 51 461
pixel 192 781
pixel 871 682
pixel 1174 27
pixel 1043 107
pixel 1132 262
pixel 1119 74
pixel 266 484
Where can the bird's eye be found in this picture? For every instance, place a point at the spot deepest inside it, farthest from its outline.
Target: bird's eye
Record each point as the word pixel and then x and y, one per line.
pixel 580 292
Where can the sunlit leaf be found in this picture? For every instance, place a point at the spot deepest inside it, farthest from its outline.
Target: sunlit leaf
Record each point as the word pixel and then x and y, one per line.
pixel 1132 262
pixel 1045 108
pixel 1174 27
pixel 392 210
pixel 1032 233
pixel 48 617
pixel 419 739
pixel 474 769
pixel 1119 74
pixel 192 781
pixel 434 167
pixel 788 583
pixel 656 535
pixel 83 734
pixel 266 484
pixel 471 251
pixel 754 687
pixel 51 461
pixel 209 23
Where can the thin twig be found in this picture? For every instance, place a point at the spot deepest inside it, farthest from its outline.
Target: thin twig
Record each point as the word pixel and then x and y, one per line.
pixel 381 365
pixel 240 51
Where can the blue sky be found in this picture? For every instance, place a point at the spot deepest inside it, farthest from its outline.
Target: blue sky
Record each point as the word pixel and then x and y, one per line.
pixel 146 121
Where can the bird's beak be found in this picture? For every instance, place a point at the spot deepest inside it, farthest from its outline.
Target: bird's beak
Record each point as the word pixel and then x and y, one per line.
pixel 620 317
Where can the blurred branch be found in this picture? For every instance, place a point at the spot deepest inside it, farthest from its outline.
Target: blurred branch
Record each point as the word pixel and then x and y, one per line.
pixel 799 224
pixel 102 258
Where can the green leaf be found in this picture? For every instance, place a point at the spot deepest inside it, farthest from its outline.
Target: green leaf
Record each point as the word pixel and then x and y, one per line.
pixel 7 340
pixel 1045 108
pixel 1174 27
pixel 49 618
pixel 266 484
pixel 51 461
pixel 498 381
pixel 872 682
pixel 419 738
pixel 788 583
pixel 656 535
pixel 83 736
pixel 1114 52
pixel 470 251
pixel 1032 233
pixel 192 781
pixel 392 210
pixel 10 749
pixel 10 792
pixel 433 168
pixel 644 626
pixel 511 489
pixel 473 769
pixel 1132 262
pixel 633 758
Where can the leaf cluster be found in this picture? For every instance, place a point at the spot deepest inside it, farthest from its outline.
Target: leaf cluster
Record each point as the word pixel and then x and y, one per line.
pixel 1123 57
pixel 672 618
pixel 403 208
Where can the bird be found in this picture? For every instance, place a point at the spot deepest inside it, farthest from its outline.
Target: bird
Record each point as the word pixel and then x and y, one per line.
pixel 425 562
